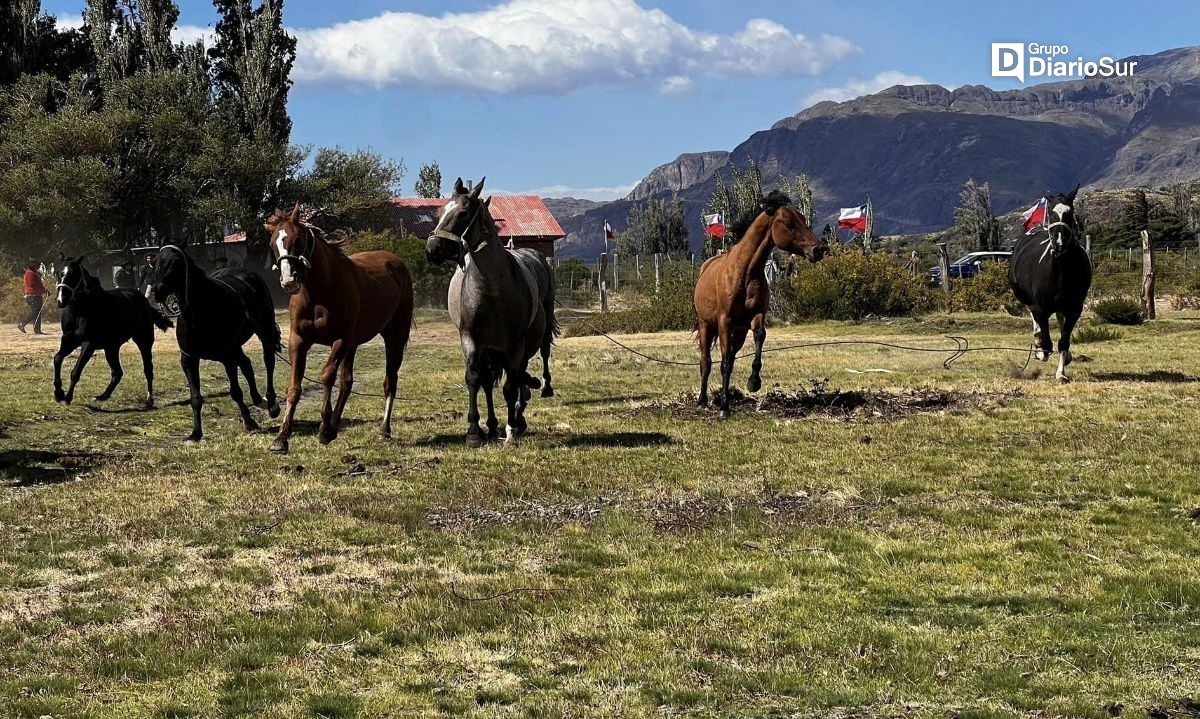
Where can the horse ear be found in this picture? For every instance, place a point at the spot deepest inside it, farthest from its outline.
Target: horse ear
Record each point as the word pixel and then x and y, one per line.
pixel 478 189
pixel 459 187
pixel 1071 197
pixel 488 202
pixel 295 215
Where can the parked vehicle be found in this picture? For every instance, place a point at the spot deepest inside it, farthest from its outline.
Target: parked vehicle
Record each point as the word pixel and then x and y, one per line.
pixel 967 266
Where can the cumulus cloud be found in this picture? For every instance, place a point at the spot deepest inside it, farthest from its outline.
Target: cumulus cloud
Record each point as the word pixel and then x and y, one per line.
pixel 676 85
pixel 858 88
pixel 552 47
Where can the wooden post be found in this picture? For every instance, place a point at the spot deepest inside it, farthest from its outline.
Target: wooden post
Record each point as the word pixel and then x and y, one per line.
pixel 603 283
pixel 637 268
pixel 657 270
pixel 915 261
pixel 1130 263
pixel 944 266
pixel 1148 275
pixel 1087 245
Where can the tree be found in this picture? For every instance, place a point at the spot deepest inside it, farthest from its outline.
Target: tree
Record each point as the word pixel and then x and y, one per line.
pixel 351 189
pixel 800 190
pixel 733 200
pixel 974 221
pixel 31 43
pixel 654 226
pixel 429 181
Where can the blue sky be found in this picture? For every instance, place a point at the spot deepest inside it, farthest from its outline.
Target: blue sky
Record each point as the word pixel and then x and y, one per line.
pixel 618 87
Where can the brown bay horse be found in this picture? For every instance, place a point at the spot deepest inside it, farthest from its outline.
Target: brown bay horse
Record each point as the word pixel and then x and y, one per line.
pixel 341 302
pixel 732 295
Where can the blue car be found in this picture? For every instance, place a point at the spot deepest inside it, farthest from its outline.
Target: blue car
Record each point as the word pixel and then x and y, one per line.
pixel 967 266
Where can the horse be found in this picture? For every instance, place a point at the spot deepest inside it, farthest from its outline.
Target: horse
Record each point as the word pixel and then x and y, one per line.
pixel 732 294
pixel 342 302
pixel 219 312
pixel 1052 274
pixel 94 318
pixel 502 302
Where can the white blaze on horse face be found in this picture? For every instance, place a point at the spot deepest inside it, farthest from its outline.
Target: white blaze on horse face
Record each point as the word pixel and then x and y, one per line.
pixel 450 207
pixel 285 265
pixel 1061 210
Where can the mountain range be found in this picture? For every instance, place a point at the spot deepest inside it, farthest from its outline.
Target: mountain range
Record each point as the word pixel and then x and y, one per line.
pixel 911 149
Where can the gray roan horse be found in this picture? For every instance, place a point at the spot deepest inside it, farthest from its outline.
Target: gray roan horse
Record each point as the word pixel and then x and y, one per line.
pixel 502 302
pixel 1051 274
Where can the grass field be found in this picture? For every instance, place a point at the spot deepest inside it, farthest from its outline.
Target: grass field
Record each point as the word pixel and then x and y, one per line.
pixel 1033 554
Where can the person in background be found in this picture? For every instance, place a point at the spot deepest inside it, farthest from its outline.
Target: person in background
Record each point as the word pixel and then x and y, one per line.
pixel 35 293
pixel 145 278
pixel 125 277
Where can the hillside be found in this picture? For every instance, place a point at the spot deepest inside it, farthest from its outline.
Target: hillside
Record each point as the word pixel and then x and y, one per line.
pixel 911 148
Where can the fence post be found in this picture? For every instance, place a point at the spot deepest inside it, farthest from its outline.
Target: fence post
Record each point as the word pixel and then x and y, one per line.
pixel 1130 265
pixel 915 261
pixel 657 270
pixel 616 262
pixel 603 283
pixel 1148 275
pixel 944 266
pixel 1087 246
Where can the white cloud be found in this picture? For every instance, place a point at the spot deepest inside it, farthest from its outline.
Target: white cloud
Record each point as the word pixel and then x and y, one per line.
pixel 676 85
pixel 599 194
pixel 858 88
pixel 552 47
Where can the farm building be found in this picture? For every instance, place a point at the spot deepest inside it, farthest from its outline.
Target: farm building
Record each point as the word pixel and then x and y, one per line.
pixel 522 218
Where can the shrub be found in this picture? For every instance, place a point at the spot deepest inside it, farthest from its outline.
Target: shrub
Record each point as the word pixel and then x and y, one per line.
pixel 1119 311
pixel 987 291
pixel 850 285
pixel 430 282
pixel 671 308
pixel 1091 334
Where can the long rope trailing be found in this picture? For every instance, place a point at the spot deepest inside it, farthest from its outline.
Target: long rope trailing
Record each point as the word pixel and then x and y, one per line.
pixel 962 347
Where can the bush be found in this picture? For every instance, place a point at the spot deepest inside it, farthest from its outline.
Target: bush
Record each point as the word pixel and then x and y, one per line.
pixel 671 308
pixel 987 291
pixel 850 285
pixel 1095 333
pixel 1119 311
pixel 430 282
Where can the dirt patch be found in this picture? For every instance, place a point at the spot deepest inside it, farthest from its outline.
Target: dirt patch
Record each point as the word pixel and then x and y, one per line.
pixel 31 467
pixel 820 401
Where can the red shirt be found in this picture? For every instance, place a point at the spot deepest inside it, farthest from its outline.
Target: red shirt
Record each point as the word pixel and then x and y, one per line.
pixel 33 283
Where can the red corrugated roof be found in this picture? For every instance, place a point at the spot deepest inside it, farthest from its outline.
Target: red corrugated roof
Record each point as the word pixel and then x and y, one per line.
pixel 515 215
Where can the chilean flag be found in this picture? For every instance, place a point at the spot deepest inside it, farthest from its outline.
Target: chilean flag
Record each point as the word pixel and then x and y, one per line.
pixel 715 224
pixel 853 218
pixel 1034 215
pixel 608 231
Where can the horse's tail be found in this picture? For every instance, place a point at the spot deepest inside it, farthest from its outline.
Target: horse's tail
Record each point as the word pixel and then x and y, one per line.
pixel 159 319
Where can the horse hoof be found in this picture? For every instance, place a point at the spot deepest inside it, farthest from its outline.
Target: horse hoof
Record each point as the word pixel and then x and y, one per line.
pixel 511 440
pixel 723 414
pixel 475 441
pixel 59 396
pixel 326 438
pixel 493 433
pixel 193 439
pixel 1062 378
pixel 251 427
pixel 547 391
pixel 273 410
pixel 754 384
pixel 102 397
pixel 279 446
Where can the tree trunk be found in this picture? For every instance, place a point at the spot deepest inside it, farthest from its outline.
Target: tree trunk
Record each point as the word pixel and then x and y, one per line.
pixel 944 266
pixel 1148 276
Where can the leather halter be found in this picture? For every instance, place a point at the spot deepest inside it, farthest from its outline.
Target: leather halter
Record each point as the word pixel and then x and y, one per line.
pixel 299 258
pixel 461 239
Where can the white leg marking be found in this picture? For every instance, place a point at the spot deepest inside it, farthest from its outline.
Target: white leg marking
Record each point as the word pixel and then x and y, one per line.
pixel 1064 358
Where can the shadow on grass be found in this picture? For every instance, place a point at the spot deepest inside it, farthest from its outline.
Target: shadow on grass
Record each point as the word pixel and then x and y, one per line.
pixel 607 400
pixel 144 409
pixel 620 439
pixel 1158 376
pixel 21 468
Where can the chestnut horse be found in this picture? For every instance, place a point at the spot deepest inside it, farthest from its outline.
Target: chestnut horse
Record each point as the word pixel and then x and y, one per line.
pixel 732 294
pixel 342 302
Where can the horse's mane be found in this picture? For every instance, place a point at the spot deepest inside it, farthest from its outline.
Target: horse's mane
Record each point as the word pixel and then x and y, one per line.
pixel 278 217
pixel 772 202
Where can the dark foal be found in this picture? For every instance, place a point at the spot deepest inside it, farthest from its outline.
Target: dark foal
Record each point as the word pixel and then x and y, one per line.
pixel 218 314
pixel 94 318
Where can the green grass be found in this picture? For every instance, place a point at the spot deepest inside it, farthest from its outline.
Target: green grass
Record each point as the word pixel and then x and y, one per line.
pixel 1031 558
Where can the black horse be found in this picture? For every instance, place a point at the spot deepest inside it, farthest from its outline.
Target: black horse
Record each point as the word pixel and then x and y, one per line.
pixel 94 318
pixel 1051 273
pixel 218 314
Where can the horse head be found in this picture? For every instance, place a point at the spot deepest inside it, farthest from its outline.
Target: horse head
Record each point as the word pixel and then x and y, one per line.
pixel 789 229
pixel 1061 224
pixel 172 274
pixel 460 217
pixel 292 244
pixel 73 280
